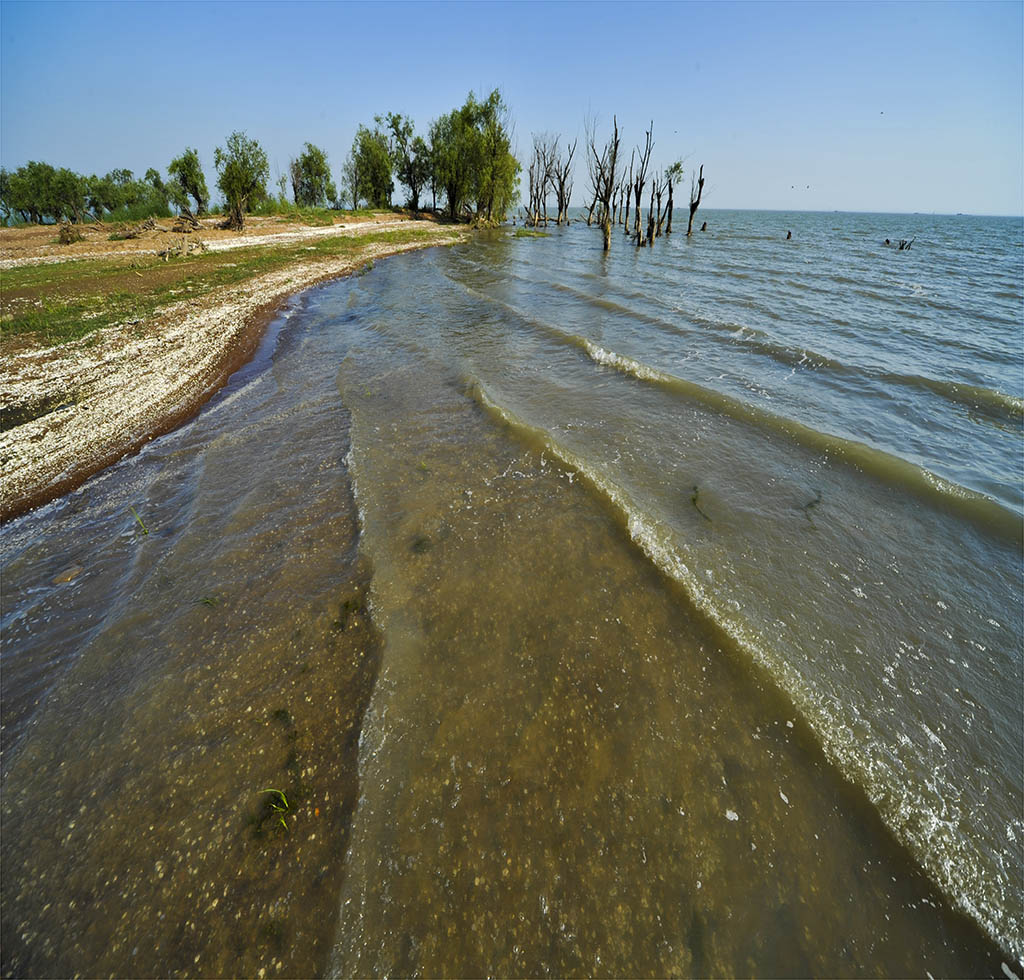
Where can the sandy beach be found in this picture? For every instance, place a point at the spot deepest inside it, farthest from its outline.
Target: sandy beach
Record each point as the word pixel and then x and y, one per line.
pixel 103 396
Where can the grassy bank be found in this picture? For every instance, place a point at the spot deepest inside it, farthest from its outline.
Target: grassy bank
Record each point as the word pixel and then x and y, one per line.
pixel 47 305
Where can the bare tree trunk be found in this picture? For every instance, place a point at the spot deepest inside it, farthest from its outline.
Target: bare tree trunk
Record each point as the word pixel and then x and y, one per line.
pixel 650 218
pixel 668 223
pixel 695 193
pixel 660 191
pixel 629 194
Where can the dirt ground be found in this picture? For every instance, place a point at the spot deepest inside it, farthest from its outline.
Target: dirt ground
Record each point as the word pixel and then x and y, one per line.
pixel 38 244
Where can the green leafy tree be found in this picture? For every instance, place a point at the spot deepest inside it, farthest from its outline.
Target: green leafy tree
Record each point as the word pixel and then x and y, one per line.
pixel 5 195
pixel 472 158
pixel 410 155
pixel 188 172
pixel 31 191
pixel 497 169
pixel 371 165
pixel 350 179
pixel 452 138
pixel 69 191
pixel 311 178
pixel 243 172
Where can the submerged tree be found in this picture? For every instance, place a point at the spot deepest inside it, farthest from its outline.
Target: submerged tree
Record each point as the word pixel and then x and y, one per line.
pixel 242 176
pixel 644 160
pixel 562 176
pixel 540 176
pixel 673 174
pixel 696 190
pixel 603 164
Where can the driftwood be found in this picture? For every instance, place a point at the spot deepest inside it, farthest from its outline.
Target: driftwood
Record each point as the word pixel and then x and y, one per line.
pixel 186 247
pixel 186 221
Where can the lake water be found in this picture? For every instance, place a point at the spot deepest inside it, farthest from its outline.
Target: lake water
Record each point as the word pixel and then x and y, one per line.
pixel 644 613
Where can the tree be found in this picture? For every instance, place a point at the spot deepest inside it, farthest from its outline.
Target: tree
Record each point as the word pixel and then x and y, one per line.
pixel 451 137
pixel 562 171
pixel 5 195
pixel 541 174
pixel 69 191
pixel 371 165
pixel 696 190
pixel 410 156
pixel 189 174
pixel 311 179
pixel 242 176
pixel 643 161
pixel 604 174
pixel 497 170
pixel 473 159
pixel 350 179
pixel 674 174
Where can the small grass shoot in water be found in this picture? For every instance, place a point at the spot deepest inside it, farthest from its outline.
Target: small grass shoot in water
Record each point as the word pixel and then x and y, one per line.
pixel 145 530
pixel 278 805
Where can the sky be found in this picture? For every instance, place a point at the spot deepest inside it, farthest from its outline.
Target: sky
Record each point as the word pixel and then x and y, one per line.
pixel 789 106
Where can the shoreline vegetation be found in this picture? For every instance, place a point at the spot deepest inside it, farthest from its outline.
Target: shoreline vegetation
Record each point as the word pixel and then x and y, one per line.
pixel 109 344
pixel 127 303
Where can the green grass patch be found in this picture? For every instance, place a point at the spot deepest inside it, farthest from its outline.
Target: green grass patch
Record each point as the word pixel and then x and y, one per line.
pixel 58 303
pixel 527 233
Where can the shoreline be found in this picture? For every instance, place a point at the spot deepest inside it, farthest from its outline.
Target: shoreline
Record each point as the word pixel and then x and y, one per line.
pixel 123 386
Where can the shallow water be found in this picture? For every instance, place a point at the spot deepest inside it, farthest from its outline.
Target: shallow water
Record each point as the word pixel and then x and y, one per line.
pixel 693 581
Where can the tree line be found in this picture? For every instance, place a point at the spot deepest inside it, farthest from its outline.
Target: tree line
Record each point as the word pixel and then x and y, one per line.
pixel 465 161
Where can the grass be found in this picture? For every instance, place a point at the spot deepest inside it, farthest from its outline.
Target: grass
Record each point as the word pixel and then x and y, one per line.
pixel 278 802
pixel 145 530
pixel 60 303
pixel 527 233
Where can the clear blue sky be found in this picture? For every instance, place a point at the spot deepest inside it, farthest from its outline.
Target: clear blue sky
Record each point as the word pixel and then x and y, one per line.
pixel 862 106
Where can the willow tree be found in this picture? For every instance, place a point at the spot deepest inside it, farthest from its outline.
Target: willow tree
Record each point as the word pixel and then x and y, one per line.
pixel 370 165
pixel 188 172
pixel 312 185
pixel 410 156
pixel 471 149
pixel 242 176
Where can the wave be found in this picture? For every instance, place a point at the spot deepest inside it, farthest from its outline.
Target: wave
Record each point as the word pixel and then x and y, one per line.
pixel 953 859
pixel 979 509
pixel 990 404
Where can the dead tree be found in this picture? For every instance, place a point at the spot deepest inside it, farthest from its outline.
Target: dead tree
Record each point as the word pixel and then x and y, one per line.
pixel 603 165
pixel 674 172
pixel 696 189
pixel 540 175
pixel 660 183
pixel 641 179
pixel 650 217
pixel 561 171
pixel 629 188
